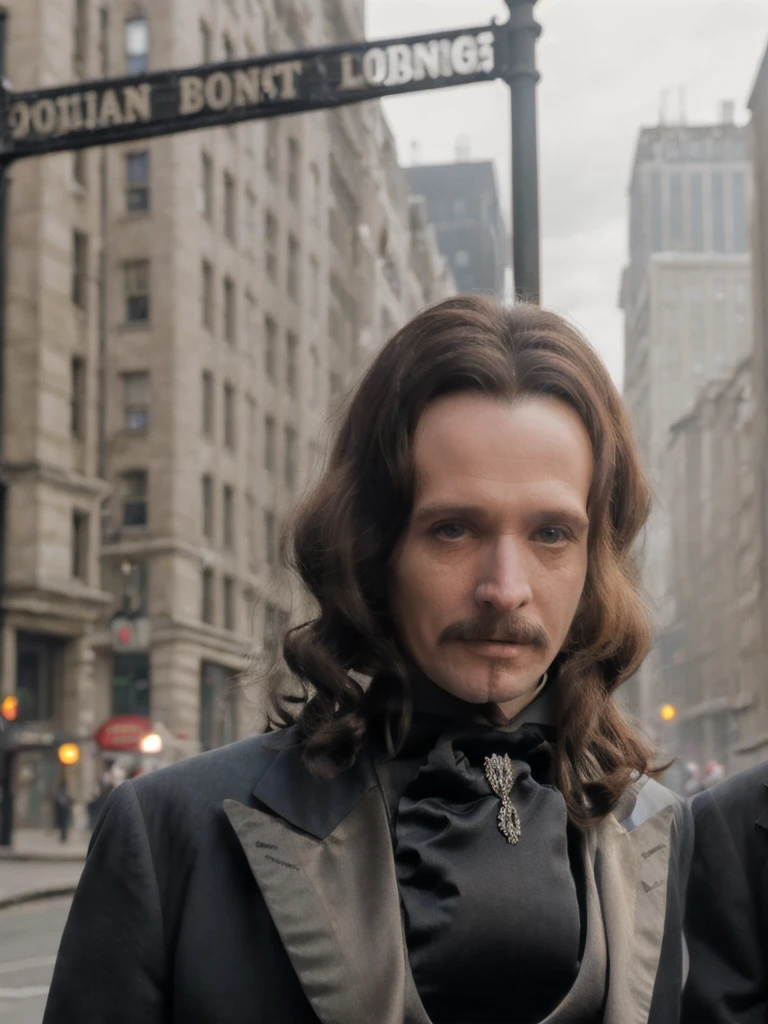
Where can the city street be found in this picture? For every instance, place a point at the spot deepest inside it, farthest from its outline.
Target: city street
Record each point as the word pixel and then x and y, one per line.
pixel 29 938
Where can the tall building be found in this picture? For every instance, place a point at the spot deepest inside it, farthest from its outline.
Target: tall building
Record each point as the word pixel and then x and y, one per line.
pixel 755 737
pixel 686 295
pixel 710 648
pixel 463 204
pixel 183 314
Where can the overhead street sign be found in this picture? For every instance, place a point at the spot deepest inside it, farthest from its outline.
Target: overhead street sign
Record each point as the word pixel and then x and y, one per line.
pixel 162 103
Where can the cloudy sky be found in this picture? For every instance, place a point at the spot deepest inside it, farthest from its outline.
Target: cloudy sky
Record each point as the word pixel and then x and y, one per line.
pixel 608 67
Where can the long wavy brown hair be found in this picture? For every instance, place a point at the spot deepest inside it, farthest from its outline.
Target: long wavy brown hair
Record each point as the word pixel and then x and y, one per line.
pixel 345 532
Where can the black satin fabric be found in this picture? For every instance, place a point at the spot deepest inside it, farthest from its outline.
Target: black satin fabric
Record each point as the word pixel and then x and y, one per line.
pixel 493 930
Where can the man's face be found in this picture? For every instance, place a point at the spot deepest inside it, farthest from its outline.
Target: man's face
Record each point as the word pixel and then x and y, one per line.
pixel 487 577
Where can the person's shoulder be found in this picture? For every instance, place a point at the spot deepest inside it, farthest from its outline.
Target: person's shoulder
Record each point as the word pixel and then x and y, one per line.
pixel 229 772
pixel 645 798
pixel 744 793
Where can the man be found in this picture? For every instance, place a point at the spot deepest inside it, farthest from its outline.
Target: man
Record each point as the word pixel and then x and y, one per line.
pixel 727 915
pixel 456 826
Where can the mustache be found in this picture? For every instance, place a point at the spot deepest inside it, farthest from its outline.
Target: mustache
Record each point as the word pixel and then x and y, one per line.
pixel 491 626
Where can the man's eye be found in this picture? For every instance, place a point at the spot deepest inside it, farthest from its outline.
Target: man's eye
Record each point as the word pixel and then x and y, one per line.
pixel 449 531
pixel 552 535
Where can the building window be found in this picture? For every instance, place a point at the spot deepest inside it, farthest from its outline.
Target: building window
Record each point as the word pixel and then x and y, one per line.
pixel 135 497
pixel 272 149
pixel 77 398
pixel 290 458
pixel 79 168
pixel 207 496
pixel 229 416
pixel 250 325
pixel 80 522
pixel 137 292
pixel 230 206
pixel 657 234
pixel 314 175
pixel 314 269
pixel 136 400
pixel 206 43
pixel 207 403
pixel 270 348
pixel 230 311
pixel 718 212
pixel 270 245
pixel 250 213
pixel 251 405
pixel 136 46
pixel 294 169
pixel 137 182
pixel 270 538
pixel 229 604
pixel 130 684
pixel 206 609
pixel 740 228
pixel 218 706
pixel 79 269
pixel 80 38
pixel 229 49
pixel 206 295
pixel 206 186
pixel 229 518
pixel 294 256
pixel 697 212
pixel 291 369
pixel 270 438
pixel 676 210
pixel 250 507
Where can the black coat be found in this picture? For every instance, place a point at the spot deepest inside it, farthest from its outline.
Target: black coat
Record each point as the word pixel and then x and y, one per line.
pixel 237 888
pixel 727 915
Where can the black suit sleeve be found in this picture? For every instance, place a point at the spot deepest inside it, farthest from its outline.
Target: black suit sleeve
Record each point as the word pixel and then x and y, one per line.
pixel 727 977
pixel 111 967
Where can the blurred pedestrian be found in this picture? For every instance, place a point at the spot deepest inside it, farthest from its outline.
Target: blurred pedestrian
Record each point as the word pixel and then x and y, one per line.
pixel 63 810
pixel 692 784
pixel 727 914
pixel 454 823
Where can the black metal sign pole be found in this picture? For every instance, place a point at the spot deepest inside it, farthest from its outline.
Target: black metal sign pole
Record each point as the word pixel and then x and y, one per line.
pixel 7 738
pixel 522 76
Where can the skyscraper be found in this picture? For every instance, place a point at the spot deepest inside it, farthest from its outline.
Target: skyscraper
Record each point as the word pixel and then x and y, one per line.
pixel 686 295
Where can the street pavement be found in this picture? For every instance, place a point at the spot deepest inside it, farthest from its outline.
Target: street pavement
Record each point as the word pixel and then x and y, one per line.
pixel 29 938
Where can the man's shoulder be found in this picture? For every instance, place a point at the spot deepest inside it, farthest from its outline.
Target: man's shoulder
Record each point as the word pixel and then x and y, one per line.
pixel 229 772
pixel 743 794
pixel 645 798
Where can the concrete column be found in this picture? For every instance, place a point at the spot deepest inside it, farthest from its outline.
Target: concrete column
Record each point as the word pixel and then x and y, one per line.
pixel 8 680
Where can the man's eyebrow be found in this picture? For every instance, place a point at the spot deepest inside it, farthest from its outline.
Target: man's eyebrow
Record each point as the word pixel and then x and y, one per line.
pixel 446 509
pixel 558 514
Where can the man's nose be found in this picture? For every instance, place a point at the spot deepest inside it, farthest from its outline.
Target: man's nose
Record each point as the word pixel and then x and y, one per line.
pixel 504 581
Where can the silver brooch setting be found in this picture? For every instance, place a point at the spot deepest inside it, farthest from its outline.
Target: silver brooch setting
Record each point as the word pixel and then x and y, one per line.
pixel 501 776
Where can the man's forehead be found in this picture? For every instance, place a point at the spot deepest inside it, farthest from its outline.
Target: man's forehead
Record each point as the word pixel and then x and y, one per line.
pixel 470 445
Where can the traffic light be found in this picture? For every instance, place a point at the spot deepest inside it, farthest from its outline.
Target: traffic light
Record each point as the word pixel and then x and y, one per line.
pixel 69 753
pixel 668 712
pixel 9 709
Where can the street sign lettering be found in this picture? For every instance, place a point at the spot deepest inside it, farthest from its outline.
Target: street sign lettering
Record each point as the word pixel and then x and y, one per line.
pixel 99 113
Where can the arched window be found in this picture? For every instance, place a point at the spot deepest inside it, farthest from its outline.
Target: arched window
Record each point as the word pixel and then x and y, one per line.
pixel 136 45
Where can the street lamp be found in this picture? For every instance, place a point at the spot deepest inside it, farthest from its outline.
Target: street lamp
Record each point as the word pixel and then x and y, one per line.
pixel 522 77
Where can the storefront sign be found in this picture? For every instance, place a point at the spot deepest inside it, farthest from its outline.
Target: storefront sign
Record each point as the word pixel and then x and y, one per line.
pixel 123 733
pixel 159 104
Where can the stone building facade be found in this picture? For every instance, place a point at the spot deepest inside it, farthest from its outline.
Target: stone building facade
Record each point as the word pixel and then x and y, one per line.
pixel 710 652
pixel 758 105
pixel 686 295
pixel 183 314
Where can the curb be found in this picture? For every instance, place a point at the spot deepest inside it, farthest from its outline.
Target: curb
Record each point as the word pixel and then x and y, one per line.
pixel 34 895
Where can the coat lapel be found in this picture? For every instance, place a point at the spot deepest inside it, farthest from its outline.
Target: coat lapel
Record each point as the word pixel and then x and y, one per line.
pixel 631 870
pixel 332 892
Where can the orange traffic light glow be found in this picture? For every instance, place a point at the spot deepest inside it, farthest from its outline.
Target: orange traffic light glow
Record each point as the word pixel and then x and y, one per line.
pixel 668 712
pixel 69 753
pixel 10 708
